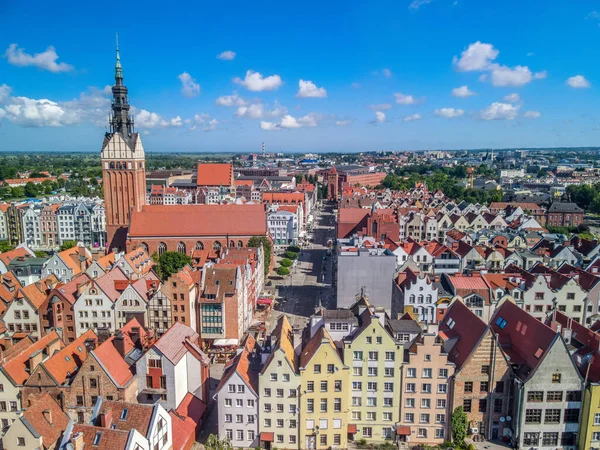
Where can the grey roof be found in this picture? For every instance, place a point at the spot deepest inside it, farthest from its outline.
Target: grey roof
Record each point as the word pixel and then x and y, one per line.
pixel 338 314
pixel 404 326
pixel 564 207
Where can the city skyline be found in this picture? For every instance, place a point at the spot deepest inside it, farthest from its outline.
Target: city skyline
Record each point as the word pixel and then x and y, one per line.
pixel 353 79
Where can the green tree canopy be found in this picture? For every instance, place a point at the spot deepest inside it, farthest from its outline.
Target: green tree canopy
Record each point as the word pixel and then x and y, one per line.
pixel 256 241
pixel 459 425
pixel 169 263
pixel 67 245
pixel 5 246
pixel 215 443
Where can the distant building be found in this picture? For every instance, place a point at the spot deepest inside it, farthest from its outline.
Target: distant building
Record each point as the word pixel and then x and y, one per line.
pixel 564 215
pixel 367 271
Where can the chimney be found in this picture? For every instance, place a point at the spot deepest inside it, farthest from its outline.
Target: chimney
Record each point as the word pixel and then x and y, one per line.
pixel 135 336
pixel 77 441
pixel 105 419
pixel 82 258
pixel 119 343
pixel 35 360
pixel 47 415
pixel 297 339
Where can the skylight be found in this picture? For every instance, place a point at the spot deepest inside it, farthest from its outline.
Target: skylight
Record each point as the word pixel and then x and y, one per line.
pixel 501 323
pixel 124 414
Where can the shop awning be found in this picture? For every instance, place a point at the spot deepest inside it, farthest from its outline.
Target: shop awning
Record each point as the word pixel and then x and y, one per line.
pixel 403 430
pixel 351 429
pixel 225 342
pixel 267 437
pixel 264 301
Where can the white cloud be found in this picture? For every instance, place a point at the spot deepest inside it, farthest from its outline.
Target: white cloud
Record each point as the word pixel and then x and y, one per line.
pixel 205 122
pixel 260 111
pixel 449 113
pixel 387 73
pixel 578 82
pixel 310 89
pixel 45 60
pixel 289 122
pixel 500 111
pixel 147 119
pixel 355 85
pixel 593 15
pixel 411 118
pixel 379 117
pixel 380 107
pixel 477 56
pixel 532 114
pixel 505 76
pixel 189 87
pixel 254 81
pixel 403 99
pixel 512 98
pixel 226 56
pixel 483 77
pixel 230 100
pixel 343 123
pixel 30 112
pixel 5 91
pixel 462 91
pixel 416 4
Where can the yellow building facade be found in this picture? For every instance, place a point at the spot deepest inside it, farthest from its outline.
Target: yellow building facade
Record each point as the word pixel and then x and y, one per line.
pixel 323 399
pixel 589 430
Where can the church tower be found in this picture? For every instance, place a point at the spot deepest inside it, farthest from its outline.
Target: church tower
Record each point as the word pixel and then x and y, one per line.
pixel 123 165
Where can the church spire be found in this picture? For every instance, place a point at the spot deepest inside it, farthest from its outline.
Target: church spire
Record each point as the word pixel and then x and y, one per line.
pixel 120 121
pixel 118 68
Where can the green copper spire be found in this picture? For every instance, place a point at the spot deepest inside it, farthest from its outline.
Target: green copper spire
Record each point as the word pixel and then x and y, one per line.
pixel 118 68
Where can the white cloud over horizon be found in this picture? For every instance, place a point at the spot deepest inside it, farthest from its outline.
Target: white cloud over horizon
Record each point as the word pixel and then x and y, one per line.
pixel 45 60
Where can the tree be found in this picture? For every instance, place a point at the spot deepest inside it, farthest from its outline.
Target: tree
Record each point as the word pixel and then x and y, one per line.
pixel 5 246
pixel 256 241
pixel 171 262
pixel 286 262
pixel 459 425
pixel 30 189
pixel 282 271
pixel 299 178
pixel 66 245
pixel 291 255
pixel 215 443
pixel 41 254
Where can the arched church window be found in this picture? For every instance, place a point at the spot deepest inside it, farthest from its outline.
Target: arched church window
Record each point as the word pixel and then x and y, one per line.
pixel 217 245
pixel 144 246
pixel 240 244
pixel 181 248
pixel 162 247
pixel 199 245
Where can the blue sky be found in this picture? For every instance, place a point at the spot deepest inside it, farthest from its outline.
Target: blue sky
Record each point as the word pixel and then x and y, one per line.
pixel 316 76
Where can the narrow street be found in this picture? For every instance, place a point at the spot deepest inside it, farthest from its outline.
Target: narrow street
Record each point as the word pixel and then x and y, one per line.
pixel 308 285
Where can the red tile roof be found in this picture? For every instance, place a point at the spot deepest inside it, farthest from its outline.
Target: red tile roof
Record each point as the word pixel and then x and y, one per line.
pixel 462 325
pixel 70 291
pixel 157 221
pixel 7 257
pixel 67 361
pixel 138 416
pixel 36 416
pixel 171 344
pixel 183 432
pixel 109 439
pixel 242 366
pixel 17 367
pixel 215 174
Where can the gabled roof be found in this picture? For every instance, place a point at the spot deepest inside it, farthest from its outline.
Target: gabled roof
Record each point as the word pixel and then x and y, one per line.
pixel 523 338
pixel 108 439
pixel 17 367
pixel 37 292
pixel 127 415
pixel 35 417
pixel 70 291
pixel 462 326
pixel 7 257
pixel 67 361
pixel 321 337
pixel 172 344
pixel 284 341
pixel 73 257
pixel 242 365
pixel 9 284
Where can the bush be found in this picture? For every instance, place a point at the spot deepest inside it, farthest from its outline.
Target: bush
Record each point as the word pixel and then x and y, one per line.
pixel 286 262
pixel 471 447
pixel 291 255
pixel 293 248
pixel 256 241
pixel 282 271
pixel 361 442
pixel 66 245
pixel 459 424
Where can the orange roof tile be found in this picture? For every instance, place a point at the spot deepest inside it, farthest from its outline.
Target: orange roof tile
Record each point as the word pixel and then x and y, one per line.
pixel 198 220
pixel 7 257
pixel 113 362
pixel 36 416
pixel 17 366
pixel 215 174
pixel 108 439
pixel 68 360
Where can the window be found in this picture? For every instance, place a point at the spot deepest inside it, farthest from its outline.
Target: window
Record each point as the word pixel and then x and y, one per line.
pixel 337 405
pixel 228 402
pixel 356 386
pixel 239 418
pixel 239 435
pixel 323 405
pixel 241 388
pixel 388 387
pixel 442 388
pixel 554 396
pixel 279 393
pixel 323 386
pixel 467 405
pixel 337 385
pixel 411 372
pixel 497 405
pixel 501 322
pixel 310 405
pixel 310 386
pixel 422 432
pixel 426 388
pixel 483 386
pixel 93 383
pixel 427 373
pixel 357 371
pixel 286 377
pixel 468 386
pixel 372 371
pixel 250 418
pixel 358 356
pixel 330 368
pixel 441 403
pixel 439 433
pixel 280 423
pixel 443 373
pixel 485 370
pixel 268 423
pixel 373 356
pixel 371 386
pixel 533 416
pixel 535 396
pixel 267 407
pixel 229 434
pixel 539 296
pixel 389 356
pixel 411 387
pixel 293 423
pixel 531 439
pixel 409 418
pixel 21 441
pixel 228 418
pixel 425 403
pixel 79 400
pixel 267 392
pixel 556 377
pixel 367 432
pixel 323 440
pixel 231 388
pixel 409 402
pixel 572 416
pixel 482 405
pixel 273 377
pixel 387 416
pixel 550 439
pixel 317 368
pixel 250 435
pixel 573 396
pixel 371 415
